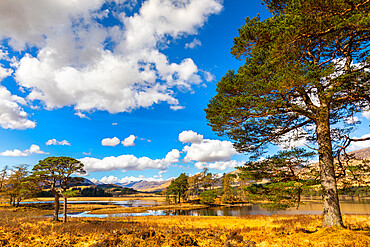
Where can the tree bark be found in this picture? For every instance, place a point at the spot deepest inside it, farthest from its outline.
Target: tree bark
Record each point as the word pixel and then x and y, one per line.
pixel 56 205
pixel 332 214
pixel 65 210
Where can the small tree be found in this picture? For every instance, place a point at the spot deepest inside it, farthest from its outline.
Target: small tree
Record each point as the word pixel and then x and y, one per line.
pixel 67 167
pixel 17 185
pixel 279 179
pixel 56 174
pixel 178 188
pixel 208 197
pixel 194 184
pixel 227 195
pixel 3 180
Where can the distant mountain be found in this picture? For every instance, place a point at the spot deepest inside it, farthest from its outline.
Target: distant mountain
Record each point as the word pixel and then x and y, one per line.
pixel 147 186
pixel 362 153
pixel 128 184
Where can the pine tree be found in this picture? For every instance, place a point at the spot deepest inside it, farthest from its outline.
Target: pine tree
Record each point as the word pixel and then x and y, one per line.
pixel 306 70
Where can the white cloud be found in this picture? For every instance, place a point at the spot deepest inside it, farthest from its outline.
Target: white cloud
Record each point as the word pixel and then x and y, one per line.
pixel 360 144
pixel 208 76
pixel 12 116
pixel 220 165
pixel 114 124
pixel 190 136
pixel 366 114
pixel 177 107
pixel 196 42
pixel 81 115
pixel 113 180
pixel 26 22
pixel 34 149
pixel 173 156
pixel 209 151
pixel 73 67
pixel 14 153
pixel 127 163
pixel 55 142
pixel 129 141
pixel 110 142
pixel 4 73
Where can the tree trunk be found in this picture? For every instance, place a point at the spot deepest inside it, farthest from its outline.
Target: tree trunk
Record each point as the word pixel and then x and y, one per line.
pixel 332 214
pixel 65 210
pixel 56 205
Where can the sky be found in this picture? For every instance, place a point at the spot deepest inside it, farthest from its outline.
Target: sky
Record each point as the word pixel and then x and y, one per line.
pixel 120 85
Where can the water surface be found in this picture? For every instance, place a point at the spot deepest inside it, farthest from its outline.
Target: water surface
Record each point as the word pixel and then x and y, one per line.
pixel 348 206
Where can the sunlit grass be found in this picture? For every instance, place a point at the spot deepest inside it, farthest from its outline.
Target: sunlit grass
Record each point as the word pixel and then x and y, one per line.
pixel 26 227
pixel 139 196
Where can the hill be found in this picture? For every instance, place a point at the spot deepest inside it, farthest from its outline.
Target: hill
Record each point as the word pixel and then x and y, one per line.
pixel 147 186
pixel 362 153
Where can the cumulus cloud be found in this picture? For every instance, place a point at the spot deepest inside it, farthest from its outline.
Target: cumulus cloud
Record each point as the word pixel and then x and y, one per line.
pixel 55 142
pixel 220 165
pixel 110 142
pixel 190 136
pixel 196 42
pixel 113 180
pixel 209 151
pixel 75 67
pixel 34 149
pixel 173 156
pixel 4 72
pixel 126 163
pixel 129 141
pixel 12 115
pixel 360 144
pixel 14 153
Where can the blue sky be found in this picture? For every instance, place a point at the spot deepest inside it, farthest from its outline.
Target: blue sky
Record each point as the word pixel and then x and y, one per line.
pixel 121 85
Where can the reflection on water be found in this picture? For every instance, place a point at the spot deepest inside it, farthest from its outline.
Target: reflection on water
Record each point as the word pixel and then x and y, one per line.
pixel 358 206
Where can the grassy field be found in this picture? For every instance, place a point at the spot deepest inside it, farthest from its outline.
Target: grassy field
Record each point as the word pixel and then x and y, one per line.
pixel 26 227
pixel 139 196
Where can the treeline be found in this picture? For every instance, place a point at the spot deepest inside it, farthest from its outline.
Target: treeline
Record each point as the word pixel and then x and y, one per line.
pixel 17 184
pixel 78 192
pixel 206 188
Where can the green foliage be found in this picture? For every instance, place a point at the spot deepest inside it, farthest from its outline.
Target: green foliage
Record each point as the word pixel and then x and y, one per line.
pixel 94 192
pixel 178 188
pixel 16 185
pixel 227 191
pixel 279 179
pixel 208 197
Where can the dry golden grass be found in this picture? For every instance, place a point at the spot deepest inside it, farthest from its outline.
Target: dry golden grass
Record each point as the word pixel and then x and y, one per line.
pixel 25 227
pixel 140 196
